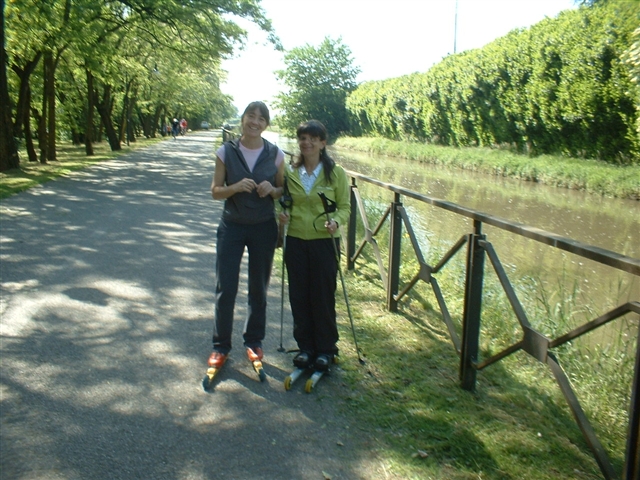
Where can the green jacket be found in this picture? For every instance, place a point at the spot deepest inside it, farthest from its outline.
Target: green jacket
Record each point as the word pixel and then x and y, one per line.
pixel 307 210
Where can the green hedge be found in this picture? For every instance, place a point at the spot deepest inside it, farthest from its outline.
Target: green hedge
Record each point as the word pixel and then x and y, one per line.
pixel 562 86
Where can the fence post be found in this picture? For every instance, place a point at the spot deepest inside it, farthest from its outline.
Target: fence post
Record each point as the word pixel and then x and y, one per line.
pixel 351 231
pixel 632 462
pixel 472 308
pixel 395 238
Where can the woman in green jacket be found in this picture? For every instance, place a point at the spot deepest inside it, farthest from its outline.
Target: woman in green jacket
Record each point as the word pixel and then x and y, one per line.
pixel 310 257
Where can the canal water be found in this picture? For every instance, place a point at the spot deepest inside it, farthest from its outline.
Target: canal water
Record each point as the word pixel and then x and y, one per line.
pixel 588 288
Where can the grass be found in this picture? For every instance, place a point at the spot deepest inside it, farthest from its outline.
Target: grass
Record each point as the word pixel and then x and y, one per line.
pixel 69 158
pixel 516 425
pixel 589 175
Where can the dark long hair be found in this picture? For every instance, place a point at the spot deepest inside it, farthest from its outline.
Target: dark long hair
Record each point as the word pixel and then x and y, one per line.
pixel 261 107
pixel 316 129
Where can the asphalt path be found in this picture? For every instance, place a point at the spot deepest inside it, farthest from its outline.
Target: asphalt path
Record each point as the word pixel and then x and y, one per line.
pixel 106 282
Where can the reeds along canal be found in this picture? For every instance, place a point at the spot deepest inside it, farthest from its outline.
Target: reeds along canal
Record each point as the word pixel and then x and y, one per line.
pixel 576 289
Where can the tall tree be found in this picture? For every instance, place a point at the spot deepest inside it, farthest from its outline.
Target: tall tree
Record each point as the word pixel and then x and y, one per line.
pixel 319 80
pixel 8 148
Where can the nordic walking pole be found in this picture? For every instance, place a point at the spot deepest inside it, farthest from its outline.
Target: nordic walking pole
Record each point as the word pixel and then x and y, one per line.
pixel 330 206
pixel 284 246
pixel 286 202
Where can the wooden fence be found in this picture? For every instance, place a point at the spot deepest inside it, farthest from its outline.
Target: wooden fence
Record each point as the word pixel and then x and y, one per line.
pixel 479 249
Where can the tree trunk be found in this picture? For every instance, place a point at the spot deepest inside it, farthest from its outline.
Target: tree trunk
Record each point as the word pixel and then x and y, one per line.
pixel 131 136
pixel 51 108
pixel 145 122
pixel 124 117
pixel 43 138
pixel 77 138
pixel 88 134
pixel 104 109
pixel 149 121
pixel 24 74
pixel 31 151
pixel 38 121
pixel 28 139
pixel 8 149
pixel 156 119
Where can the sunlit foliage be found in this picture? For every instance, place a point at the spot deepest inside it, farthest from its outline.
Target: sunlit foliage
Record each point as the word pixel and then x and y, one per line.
pixel 80 70
pixel 561 86
pixel 318 80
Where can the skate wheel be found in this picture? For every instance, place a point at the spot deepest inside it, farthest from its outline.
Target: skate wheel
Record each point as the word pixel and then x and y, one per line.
pixel 287 383
pixel 308 386
pixel 262 376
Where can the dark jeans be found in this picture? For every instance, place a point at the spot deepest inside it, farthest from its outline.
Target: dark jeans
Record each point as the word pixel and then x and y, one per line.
pixel 312 270
pixel 260 241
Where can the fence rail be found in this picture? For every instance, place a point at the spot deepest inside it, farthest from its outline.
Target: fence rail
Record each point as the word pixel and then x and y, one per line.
pixel 479 249
pixel 534 343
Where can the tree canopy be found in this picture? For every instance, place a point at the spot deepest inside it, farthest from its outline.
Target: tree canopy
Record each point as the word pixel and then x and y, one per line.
pixel 318 80
pixel 137 63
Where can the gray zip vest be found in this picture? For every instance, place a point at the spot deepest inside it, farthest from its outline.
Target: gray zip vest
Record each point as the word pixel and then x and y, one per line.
pixel 245 207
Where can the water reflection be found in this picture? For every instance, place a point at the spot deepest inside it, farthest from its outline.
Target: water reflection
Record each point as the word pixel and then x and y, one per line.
pixel 595 220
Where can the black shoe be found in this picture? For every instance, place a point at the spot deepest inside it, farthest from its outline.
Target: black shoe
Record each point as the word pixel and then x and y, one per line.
pixel 323 362
pixel 302 360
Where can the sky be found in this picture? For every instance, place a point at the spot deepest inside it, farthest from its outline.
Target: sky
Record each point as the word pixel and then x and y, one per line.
pixel 387 38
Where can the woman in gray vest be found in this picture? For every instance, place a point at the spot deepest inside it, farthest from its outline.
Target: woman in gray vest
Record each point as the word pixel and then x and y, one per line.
pixel 249 175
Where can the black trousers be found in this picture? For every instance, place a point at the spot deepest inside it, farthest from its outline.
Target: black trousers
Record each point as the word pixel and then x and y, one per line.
pixel 312 268
pixel 260 242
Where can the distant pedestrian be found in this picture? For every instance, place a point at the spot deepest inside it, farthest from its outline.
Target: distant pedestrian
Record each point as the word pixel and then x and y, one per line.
pixel 175 127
